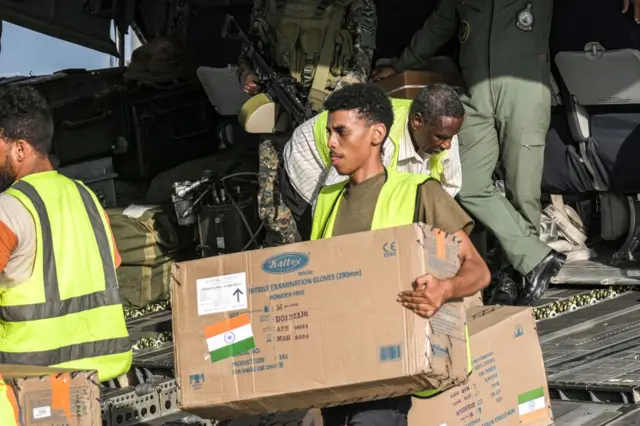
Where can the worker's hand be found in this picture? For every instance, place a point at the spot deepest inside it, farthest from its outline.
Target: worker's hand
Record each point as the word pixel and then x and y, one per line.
pixel 250 84
pixel 428 295
pixel 380 73
pixel 636 9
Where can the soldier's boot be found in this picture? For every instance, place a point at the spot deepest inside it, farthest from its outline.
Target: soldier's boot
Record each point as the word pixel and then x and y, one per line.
pixel 536 282
pixel 504 290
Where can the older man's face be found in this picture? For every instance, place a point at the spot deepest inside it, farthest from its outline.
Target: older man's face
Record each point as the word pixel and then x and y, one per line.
pixel 434 136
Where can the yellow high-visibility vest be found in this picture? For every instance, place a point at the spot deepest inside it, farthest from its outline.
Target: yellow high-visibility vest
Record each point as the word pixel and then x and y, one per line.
pixel 68 314
pixel 396 206
pixel 401 108
pixel 8 405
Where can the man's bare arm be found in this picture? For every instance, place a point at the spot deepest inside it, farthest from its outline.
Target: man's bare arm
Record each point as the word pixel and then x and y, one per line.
pixel 430 293
pixel 473 275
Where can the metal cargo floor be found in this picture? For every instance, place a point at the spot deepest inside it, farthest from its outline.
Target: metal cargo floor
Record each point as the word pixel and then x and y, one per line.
pixel 594 414
pixel 593 354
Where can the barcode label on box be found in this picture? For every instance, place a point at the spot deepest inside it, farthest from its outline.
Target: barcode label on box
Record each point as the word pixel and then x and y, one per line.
pixel 41 412
pixel 388 353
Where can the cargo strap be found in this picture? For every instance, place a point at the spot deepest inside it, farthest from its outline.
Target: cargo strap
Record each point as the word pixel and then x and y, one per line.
pixel 317 93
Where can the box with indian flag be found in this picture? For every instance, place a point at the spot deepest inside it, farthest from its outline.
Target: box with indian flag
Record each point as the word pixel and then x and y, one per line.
pixel 314 324
pixel 508 385
pixel 31 396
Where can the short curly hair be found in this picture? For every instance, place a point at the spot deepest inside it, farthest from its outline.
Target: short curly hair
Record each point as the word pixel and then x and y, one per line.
pixel 436 101
pixel 25 114
pixel 370 101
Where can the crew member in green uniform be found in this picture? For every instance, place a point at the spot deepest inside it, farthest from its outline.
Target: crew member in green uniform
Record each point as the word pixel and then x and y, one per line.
pixel 360 117
pixel 505 63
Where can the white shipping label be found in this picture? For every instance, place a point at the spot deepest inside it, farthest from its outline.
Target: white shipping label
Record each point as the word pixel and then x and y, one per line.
pixel 136 211
pixel 41 412
pixel 222 294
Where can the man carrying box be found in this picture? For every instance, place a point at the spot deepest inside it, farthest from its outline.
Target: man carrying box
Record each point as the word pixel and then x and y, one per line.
pixel 422 139
pixel 374 197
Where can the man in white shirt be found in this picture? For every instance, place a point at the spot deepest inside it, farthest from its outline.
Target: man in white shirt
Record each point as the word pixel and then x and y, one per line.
pixel 424 130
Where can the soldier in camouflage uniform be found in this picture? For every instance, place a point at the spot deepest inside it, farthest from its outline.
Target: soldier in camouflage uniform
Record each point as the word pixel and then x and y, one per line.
pixel 322 44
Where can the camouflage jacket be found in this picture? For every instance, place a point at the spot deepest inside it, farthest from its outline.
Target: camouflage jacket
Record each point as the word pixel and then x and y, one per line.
pixel 361 21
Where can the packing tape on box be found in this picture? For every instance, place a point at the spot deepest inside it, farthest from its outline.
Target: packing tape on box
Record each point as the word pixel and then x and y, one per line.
pixel 61 393
pixel 441 245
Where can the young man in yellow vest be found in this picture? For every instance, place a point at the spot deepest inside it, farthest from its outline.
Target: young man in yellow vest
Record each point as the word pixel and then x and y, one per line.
pixel 375 197
pixel 59 300
pixel 422 139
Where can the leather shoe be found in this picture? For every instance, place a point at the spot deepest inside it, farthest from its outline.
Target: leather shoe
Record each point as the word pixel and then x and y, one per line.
pixel 506 289
pixel 536 282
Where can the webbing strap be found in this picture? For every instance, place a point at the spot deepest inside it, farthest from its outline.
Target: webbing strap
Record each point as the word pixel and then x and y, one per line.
pixel 317 93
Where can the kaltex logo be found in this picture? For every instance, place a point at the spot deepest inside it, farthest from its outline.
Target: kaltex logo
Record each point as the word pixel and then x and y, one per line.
pixel 285 262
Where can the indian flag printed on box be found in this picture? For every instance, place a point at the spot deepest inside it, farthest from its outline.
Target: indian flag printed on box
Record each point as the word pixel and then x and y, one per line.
pixel 531 405
pixel 230 337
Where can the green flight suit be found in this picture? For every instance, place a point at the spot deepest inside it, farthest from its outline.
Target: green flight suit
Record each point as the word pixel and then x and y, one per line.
pixel 504 61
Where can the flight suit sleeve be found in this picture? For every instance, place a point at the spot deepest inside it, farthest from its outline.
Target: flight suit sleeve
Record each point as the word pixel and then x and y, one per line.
pixel 362 24
pixel 244 63
pixel 437 30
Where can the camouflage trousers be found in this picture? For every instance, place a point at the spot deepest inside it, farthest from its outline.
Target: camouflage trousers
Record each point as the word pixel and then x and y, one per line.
pixel 279 223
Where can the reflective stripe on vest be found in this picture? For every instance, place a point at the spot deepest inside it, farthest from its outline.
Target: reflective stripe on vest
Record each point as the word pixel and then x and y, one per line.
pixel 109 352
pixel 396 206
pixel 401 109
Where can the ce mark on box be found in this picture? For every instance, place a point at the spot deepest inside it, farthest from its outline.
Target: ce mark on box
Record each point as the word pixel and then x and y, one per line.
pixel 222 294
pixel 389 249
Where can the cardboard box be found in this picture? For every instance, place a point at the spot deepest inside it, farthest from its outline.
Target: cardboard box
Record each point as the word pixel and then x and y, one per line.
pixel 407 85
pixel 48 396
pixel 508 385
pixel 314 324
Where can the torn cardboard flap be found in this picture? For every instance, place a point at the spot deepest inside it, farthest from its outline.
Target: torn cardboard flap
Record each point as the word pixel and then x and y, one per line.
pixel 53 396
pixel 314 324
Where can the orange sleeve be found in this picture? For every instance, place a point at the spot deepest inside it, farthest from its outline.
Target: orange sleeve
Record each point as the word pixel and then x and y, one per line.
pixel 116 253
pixel 8 243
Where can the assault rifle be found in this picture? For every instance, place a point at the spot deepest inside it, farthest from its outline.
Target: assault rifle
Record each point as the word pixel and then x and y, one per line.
pixel 284 91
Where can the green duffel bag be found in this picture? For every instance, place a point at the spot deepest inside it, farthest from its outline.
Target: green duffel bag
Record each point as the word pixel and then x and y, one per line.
pixel 143 285
pixel 147 235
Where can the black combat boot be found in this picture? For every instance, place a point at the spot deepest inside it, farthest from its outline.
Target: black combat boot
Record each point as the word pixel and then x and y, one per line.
pixel 505 289
pixel 536 282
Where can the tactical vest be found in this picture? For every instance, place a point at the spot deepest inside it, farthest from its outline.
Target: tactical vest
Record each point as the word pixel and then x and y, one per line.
pixel 68 314
pixel 396 206
pixel 309 38
pixel 401 108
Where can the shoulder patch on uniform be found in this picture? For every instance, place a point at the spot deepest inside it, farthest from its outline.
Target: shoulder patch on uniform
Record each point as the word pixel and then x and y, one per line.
pixel 463 31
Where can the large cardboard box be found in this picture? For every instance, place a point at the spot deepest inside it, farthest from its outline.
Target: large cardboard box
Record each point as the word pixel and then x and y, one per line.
pixel 314 324
pixel 407 85
pixel 508 385
pixel 47 396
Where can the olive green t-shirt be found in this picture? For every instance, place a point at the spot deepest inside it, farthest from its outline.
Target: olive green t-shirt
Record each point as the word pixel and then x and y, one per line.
pixel 435 208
